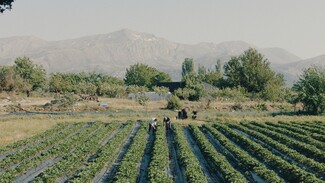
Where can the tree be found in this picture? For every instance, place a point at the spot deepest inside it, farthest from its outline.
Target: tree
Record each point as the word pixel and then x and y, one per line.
pixel 187 67
pixel 160 77
pixel 311 90
pixel 7 78
pixel 143 75
pixel 57 83
pixel 32 74
pixel 202 71
pixel 252 71
pixel 219 67
pixel 214 77
pixel 173 103
pixel 5 5
pixel 193 87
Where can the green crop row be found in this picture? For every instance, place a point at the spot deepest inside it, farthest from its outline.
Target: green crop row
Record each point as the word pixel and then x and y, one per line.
pixel 128 170
pixel 187 159
pixel 74 159
pixel 292 128
pixel 219 162
pixel 309 128
pixel 312 164
pixel 249 163
pixel 106 155
pixel 313 124
pixel 289 172
pixel 60 148
pixel 35 138
pixel 300 137
pixel 36 148
pixel 303 148
pixel 157 171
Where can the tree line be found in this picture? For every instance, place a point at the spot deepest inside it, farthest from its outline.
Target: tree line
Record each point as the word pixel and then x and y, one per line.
pixel 244 77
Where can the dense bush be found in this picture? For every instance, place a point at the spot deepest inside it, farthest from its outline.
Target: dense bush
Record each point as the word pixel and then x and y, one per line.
pixel 173 103
pixel 311 90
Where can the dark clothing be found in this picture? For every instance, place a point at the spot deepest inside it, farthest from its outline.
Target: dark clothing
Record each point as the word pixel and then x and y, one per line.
pixel 167 123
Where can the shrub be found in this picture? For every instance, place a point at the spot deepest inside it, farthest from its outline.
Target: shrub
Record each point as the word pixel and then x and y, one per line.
pixel 173 103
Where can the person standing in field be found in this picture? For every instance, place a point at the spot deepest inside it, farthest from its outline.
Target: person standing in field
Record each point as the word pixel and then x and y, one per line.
pixel 167 122
pixel 153 124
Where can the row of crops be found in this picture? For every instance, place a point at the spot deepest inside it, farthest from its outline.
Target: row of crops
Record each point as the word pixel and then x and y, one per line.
pixel 127 152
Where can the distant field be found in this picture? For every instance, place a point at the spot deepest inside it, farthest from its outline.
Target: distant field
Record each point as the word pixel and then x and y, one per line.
pixel 191 152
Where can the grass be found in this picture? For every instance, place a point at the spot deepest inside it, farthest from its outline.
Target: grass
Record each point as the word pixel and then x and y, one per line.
pixel 17 127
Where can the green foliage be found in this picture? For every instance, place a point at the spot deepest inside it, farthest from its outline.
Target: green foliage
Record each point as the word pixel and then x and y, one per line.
pixel 159 159
pixel 160 90
pixel 252 71
pixel 143 75
pixel 193 87
pixel 5 5
pixel 173 103
pixel 186 157
pixel 9 80
pixel 187 67
pixel 202 71
pixel 136 89
pixel 212 77
pixel 112 90
pixel 128 168
pixel 69 100
pixel 246 160
pixel 33 75
pixel 85 83
pixel 238 94
pixel 217 160
pixel 160 77
pixel 311 90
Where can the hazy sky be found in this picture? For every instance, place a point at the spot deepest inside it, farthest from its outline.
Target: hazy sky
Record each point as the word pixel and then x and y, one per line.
pixel 295 25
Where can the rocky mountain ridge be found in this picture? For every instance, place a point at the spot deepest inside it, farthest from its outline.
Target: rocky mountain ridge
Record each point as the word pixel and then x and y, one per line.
pixel 114 52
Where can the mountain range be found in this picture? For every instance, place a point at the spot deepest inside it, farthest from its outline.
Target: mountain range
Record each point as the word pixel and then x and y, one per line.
pixel 114 52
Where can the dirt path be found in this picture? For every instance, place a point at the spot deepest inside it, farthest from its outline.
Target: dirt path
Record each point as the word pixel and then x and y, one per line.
pixel 208 171
pixel 175 169
pixel 108 172
pixel 143 175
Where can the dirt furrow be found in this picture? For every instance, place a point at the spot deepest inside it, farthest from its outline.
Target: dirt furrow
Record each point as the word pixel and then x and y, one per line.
pixel 108 172
pixel 230 157
pixel 208 171
pixel 142 178
pixel 175 168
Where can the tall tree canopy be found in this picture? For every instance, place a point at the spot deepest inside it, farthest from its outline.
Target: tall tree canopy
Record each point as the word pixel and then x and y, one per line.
pixel 5 4
pixel 187 67
pixel 144 75
pixel 252 71
pixel 34 75
pixel 311 90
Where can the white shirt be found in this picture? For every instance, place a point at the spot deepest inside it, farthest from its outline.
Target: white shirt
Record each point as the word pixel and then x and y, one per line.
pixel 152 121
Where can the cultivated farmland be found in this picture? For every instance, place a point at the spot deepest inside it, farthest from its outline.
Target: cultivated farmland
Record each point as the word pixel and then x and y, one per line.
pixel 127 152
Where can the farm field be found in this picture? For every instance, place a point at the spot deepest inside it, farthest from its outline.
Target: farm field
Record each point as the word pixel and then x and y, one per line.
pixel 127 152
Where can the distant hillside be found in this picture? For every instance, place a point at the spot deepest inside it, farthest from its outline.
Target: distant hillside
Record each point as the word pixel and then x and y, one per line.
pixel 293 70
pixel 114 52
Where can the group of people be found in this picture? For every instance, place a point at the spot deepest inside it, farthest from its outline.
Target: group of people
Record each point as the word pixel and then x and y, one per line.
pixel 153 123
pixel 182 114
